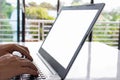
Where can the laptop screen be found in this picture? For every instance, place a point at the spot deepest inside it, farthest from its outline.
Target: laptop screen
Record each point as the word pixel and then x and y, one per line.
pixel 68 34
pixel 69 29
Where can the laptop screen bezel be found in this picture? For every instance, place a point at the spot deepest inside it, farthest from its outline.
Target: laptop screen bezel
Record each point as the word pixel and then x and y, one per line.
pixel 62 72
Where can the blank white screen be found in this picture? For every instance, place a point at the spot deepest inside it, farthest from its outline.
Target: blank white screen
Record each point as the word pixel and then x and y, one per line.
pixel 67 33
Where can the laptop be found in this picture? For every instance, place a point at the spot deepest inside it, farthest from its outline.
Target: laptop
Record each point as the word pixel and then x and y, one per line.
pixel 65 40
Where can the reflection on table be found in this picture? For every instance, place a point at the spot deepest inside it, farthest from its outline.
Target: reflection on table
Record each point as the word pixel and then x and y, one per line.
pixel 96 61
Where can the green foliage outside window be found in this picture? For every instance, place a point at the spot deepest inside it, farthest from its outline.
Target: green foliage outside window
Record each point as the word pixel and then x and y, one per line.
pixel 5 9
pixel 37 13
pixel 5 13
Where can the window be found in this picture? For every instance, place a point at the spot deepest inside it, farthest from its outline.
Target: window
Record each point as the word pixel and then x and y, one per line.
pixel 40 15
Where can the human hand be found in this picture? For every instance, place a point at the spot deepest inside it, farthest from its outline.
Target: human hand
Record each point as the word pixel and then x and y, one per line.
pixel 11 65
pixel 10 48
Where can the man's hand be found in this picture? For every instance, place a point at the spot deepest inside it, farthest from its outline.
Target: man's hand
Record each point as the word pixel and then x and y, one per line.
pixel 11 65
pixel 10 48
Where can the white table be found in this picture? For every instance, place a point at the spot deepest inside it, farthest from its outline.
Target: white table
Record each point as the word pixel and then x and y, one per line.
pixel 96 61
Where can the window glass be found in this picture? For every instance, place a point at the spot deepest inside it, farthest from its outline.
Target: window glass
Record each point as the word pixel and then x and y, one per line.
pixel 8 20
pixel 36 10
pixel 107 27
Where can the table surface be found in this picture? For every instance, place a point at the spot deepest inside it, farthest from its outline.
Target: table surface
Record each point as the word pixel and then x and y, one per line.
pixel 96 61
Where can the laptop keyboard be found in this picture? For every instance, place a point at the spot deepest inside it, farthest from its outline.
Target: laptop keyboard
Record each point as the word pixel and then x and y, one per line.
pixel 29 77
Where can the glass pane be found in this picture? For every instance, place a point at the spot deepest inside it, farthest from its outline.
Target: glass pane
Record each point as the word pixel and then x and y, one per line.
pixel 106 29
pixel 8 22
pixel 40 15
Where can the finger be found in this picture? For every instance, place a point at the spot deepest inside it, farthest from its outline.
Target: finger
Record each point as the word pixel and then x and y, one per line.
pixel 27 63
pixel 6 56
pixel 27 70
pixel 22 62
pixel 23 50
